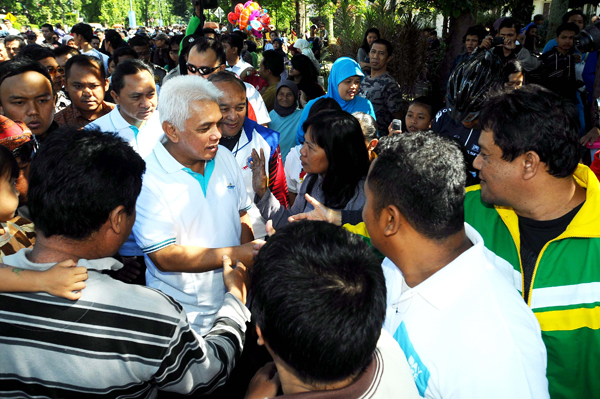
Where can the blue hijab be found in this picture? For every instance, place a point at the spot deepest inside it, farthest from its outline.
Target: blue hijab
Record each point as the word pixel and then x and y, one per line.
pixel 342 69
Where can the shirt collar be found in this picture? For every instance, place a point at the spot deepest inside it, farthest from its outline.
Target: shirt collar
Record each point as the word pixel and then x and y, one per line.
pixel 166 160
pixel 20 259
pixel 449 283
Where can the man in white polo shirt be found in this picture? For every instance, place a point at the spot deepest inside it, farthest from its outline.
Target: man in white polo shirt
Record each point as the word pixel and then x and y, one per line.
pixel 451 303
pixel 193 204
pixel 136 120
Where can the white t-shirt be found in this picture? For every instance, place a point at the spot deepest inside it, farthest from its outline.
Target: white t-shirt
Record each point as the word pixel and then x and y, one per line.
pixel 240 67
pixel 173 208
pixel 466 332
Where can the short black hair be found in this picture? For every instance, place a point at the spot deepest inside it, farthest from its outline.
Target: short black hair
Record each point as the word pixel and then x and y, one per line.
pixel 204 43
pixel 12 38
pixel 139 40
pixel 566 16
pixel 509 23
pixel 85 61
pixel 36 52
pixel 20 65
pixel 424 176
pixel 85 30
pixel 8 164
pixel 534 118
pixel 339 134
pixel 233 41
pixel 48 26
pixel 512 66
pixel 227 76
pixel 128 67
pixel 95 37
pixel 305 66
pixel 427 103
pixel 319 299
pixel 538 17
pixel 567 26
pixel 209 31
pixel 476 30
pixel 122 51
pixel 251 46
pixel 78 177
pixel 388 46
pixel 274 62
pixel 64 50
pixel 114 38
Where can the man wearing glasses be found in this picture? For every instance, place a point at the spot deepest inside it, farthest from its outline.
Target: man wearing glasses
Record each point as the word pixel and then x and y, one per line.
pixel 207 57
pixel 141 45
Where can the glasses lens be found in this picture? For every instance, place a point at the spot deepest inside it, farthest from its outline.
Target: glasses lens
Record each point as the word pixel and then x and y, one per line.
pixel 192 68
pixel 25 152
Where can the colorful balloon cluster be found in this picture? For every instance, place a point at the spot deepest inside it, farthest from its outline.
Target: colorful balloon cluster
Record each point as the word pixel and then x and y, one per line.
pixel 250 17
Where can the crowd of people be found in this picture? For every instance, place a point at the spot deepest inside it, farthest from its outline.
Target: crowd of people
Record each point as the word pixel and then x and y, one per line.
pixel 186 214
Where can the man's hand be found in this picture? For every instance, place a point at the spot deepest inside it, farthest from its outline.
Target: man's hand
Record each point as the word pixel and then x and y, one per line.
pixel 259 176
pixel 235 279
pixel 486 43
pixel 130 270
pixel 259 245
pixel 265 383
pixel 590 137
pixel 321 212
pixel 62 279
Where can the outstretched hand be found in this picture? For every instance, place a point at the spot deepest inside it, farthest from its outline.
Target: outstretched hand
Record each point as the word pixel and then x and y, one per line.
pixel 321 212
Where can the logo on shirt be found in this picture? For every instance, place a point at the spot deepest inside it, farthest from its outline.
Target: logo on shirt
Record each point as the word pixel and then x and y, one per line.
pixel 420 371
pixel 230 186
pixel 248 163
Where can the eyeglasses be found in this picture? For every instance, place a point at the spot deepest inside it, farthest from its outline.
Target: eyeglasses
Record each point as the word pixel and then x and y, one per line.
pixel 202 70
pixel 53 71
pixel 25 152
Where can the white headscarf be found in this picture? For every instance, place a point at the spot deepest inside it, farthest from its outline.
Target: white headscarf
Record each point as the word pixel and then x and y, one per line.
pixel 304 46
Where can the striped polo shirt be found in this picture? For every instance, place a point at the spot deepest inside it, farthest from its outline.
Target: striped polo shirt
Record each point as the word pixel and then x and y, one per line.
pixel 116 341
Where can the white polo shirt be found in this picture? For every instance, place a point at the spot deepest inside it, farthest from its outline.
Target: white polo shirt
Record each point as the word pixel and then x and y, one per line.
pixel 142 140
pixel 185 208
pixel 240 67
pixel 466 332
pixel 258 104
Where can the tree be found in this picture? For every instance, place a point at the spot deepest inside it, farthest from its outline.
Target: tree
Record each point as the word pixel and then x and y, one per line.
pixel 557 9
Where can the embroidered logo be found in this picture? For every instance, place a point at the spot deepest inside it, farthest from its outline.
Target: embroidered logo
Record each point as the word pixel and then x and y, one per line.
pixel 248 163
pixel 230 186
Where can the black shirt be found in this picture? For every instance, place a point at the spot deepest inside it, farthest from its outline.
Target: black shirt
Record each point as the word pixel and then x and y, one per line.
pixel 534 235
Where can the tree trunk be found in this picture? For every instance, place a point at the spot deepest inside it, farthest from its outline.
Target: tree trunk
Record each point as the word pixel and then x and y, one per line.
pixel 445 28
pixel 557 9
pixel 457 29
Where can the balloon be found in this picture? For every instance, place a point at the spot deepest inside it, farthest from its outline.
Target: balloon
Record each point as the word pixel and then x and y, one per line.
pixel 265 19
pixel 256 25
pixel 238 8
pixel 255 5
pixel 246 4
pixel 257 34
pixel 255 14
pixel 232 18
pixel 249 28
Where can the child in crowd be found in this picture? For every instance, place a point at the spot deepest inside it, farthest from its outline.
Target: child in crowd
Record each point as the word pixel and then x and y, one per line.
pixel 419 115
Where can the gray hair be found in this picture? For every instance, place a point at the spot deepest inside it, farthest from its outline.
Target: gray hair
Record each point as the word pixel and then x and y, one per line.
pixel 367 124
pixel 178 93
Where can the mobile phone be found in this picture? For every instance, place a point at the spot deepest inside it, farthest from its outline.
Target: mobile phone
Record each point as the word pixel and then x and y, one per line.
pixel 497 41
pixel 396 124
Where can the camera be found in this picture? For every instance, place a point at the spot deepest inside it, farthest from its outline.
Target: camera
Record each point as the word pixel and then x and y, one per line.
pixel 497 41
pixel 588 39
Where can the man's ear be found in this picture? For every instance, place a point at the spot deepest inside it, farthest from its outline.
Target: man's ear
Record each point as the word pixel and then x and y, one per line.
pixel 115 96
pixel 390 220
pixel 531 164
pixel 222 67
pixel 117 219
pixel 171 131
pixel 373 144
pixel 260 340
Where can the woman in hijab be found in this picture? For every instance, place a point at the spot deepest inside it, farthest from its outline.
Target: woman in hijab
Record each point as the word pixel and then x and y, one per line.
pixel 285 115
pixel 343 87
pixel 304 74
pixel 304 47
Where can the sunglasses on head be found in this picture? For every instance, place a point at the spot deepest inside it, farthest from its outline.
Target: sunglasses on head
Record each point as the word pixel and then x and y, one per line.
pixel 25 152
pixel 201 70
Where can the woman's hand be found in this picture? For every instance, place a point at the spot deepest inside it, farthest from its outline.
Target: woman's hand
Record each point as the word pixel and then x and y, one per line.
pixel 302 99
pixel 321 212
pixel 259 176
